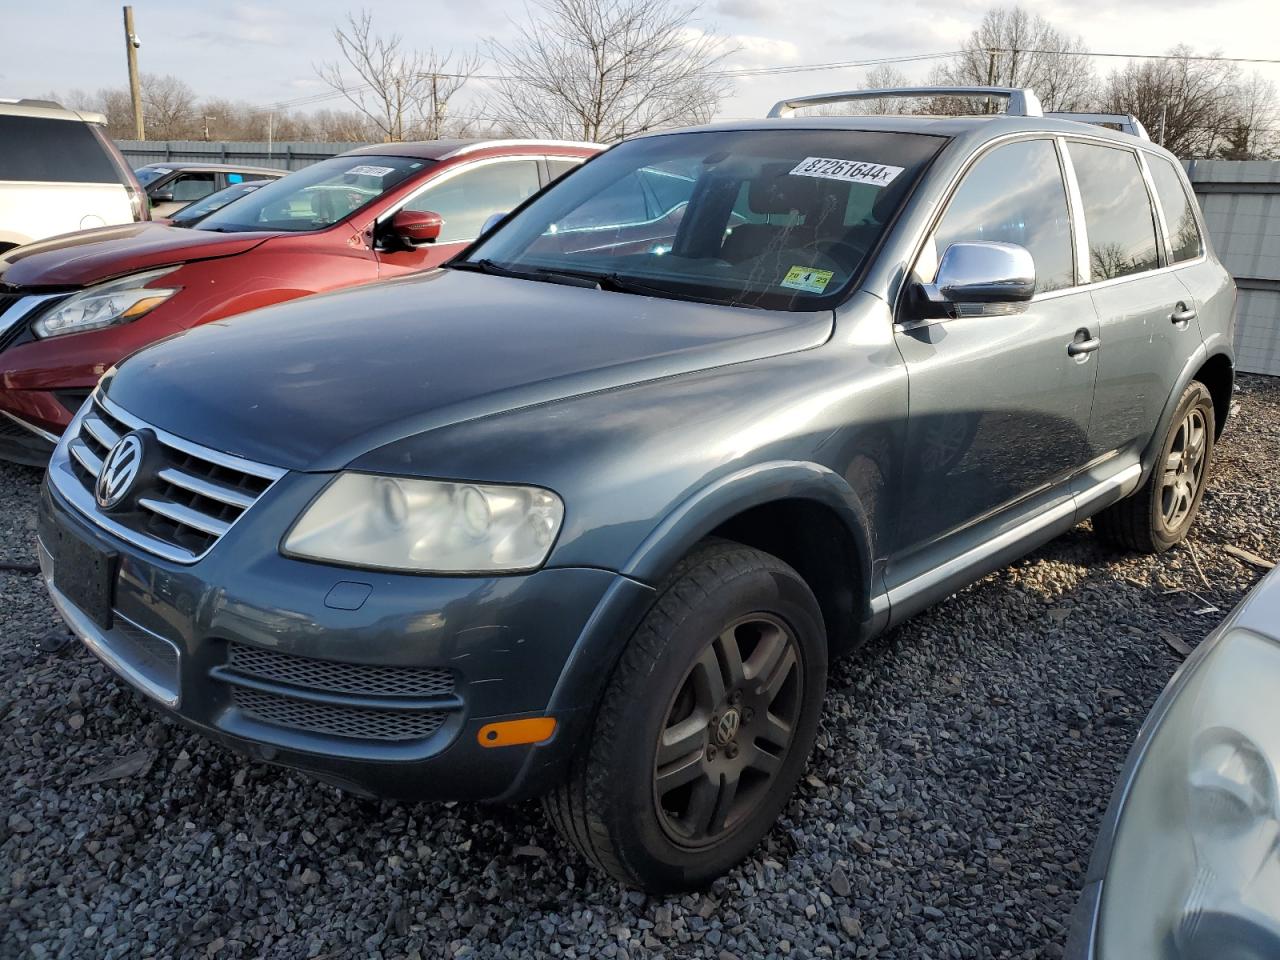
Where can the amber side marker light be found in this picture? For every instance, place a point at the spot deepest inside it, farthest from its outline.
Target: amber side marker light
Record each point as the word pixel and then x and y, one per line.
pixel 509 733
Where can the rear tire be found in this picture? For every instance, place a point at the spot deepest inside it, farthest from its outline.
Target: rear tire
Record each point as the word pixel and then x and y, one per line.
pixel 1159 514
pixel 704 727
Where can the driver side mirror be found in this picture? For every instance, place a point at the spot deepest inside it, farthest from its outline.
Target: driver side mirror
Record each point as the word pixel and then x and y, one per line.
pixel 414 227
pixel 978 279
pixel 165 196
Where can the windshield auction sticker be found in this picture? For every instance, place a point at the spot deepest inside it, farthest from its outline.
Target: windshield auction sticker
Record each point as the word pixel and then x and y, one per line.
pixel 807 279
pixel 367 170
pixel 850 171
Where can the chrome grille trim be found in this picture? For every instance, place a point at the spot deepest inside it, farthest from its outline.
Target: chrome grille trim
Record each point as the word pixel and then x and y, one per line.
pixel 191 504
pixel 97 428
pixel 185 516
pixel 84 456
pixel 207 488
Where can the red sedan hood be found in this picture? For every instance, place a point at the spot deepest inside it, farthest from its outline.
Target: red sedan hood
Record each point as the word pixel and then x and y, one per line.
pixel 76 259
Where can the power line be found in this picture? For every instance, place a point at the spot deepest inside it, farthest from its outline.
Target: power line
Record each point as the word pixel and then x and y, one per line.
pixel 1141 56
pixel 787 69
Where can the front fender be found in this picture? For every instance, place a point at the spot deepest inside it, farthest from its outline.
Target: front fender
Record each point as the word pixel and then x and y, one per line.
pixel 696 516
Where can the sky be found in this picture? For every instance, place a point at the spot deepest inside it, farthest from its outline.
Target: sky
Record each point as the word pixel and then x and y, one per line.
pixel 265 53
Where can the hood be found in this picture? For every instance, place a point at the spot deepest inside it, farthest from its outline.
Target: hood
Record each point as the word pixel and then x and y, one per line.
pixel 317 382
pixel 77 259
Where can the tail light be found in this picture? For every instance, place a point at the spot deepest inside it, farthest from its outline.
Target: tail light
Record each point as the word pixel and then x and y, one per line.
pixel 138 202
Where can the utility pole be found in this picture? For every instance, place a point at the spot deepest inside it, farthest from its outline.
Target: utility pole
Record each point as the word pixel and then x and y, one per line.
pixel 991 77
pixel 206 127
pixel 131 45
pixel 435 107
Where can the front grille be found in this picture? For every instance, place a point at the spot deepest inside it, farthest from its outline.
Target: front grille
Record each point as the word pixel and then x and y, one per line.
pixel 194 497
pixel 357 723
pixel 354 679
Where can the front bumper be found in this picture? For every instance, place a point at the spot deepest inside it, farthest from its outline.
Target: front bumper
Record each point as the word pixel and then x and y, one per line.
pixel 338 698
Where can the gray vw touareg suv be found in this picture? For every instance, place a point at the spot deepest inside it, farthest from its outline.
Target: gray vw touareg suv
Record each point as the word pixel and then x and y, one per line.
pixel 706 412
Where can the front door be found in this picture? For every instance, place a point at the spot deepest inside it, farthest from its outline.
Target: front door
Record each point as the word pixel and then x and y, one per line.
pixel 465 197
pixel 998 409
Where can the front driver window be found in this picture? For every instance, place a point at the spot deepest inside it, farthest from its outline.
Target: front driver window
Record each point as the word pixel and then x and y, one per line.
pixel 192 186
pixel 1013 194
pixel 466 200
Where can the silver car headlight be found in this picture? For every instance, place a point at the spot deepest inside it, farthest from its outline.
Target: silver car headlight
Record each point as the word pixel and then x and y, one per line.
pixel 428 526
pixel 105 305
pixel 1194 872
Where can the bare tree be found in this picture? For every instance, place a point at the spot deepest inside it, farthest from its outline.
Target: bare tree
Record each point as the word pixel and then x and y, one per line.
pixel 607 69
pixel 169 105
pixel 404 93
pixel 1013 47
pixel 1187 104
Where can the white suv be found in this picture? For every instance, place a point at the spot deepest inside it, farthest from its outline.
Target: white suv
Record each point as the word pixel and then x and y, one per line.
pixel 59 173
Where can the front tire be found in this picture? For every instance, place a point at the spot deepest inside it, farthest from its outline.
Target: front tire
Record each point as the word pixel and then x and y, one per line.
pixel 705 725
pixel 1159 514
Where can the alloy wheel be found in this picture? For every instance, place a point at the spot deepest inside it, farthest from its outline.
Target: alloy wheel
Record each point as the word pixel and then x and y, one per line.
pixel 728 730
pixel 1184 469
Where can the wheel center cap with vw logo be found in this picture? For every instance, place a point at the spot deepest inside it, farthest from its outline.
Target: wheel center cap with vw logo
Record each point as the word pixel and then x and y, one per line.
pixel 727 727
pixel 119 471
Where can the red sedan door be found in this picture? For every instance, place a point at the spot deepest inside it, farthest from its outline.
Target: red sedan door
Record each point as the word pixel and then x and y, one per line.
pixel 465 196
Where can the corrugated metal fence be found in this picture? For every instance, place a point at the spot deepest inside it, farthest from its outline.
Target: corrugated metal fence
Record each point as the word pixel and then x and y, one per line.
pixel 1241 204
pixel 287 155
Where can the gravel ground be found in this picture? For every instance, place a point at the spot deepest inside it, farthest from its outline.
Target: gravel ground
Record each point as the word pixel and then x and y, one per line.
pixel 963 765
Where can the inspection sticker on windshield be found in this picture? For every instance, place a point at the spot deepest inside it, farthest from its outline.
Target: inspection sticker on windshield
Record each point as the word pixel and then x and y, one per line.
pixel 851 171
pixel 807 279
pixel 368 170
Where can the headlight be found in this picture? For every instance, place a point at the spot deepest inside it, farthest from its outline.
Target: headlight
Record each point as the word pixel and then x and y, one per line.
pixel 428 525
pixel 1194 872
pixel 105 305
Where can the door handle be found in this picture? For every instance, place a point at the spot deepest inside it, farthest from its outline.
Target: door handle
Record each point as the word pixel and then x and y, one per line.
pixel 1080 348
pixel 1182 315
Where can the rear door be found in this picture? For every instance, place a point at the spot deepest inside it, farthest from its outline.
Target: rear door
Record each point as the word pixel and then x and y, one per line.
pixel 55 177
pixel 465 196
pixel 1147 327
pixel 998 409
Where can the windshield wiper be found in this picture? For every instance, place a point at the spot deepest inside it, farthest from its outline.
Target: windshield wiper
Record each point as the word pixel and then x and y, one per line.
pixel 618 283
pixel 543 276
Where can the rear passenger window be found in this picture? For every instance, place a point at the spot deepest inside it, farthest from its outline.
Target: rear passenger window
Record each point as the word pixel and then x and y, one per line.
pixel 53 151
pixel 1117 210
pixel 558 168
pixel 1179 217
pixel 1014 194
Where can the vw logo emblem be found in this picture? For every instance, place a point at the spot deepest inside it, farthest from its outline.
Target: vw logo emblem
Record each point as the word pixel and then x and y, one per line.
pixel 119 471
pixel 727 728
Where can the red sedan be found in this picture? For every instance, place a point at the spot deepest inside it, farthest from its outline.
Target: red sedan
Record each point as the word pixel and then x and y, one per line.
pixel 72 306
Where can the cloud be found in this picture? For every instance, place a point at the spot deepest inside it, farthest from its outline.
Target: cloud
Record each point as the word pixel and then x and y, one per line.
pixel 761 52
pixel 747 9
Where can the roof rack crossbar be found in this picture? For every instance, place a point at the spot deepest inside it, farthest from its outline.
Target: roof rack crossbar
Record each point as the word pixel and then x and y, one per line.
pixel 1127 122
pixel 1022 102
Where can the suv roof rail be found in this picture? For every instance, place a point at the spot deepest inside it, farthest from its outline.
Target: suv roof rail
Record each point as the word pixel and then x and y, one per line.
pixel 27 102
pixel 1023 101
pixel 1127 122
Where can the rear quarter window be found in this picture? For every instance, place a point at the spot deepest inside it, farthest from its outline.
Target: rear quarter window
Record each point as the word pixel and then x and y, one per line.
pixel 53 151
pixel 1179 216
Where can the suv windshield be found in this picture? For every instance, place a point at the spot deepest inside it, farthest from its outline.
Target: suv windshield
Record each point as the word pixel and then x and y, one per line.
pixel 315 197
pixel 146 174
pixel 782 220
